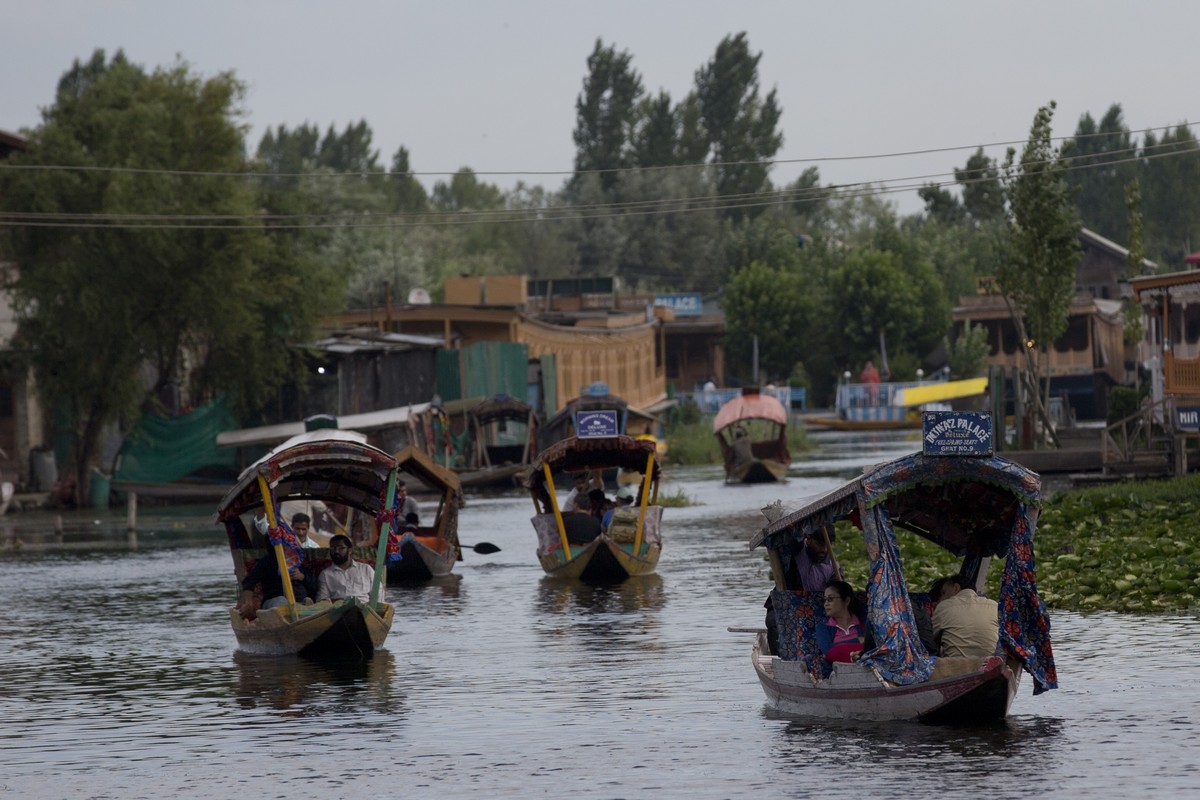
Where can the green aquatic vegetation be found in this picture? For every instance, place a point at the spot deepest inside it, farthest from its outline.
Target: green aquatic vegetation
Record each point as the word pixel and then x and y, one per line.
pixel 677 499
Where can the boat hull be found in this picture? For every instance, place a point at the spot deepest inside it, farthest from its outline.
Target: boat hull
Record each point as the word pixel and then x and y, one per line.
pixel 855 692
pixel 419 562
pixel 760 470
pixel 349 628
pixel 601 561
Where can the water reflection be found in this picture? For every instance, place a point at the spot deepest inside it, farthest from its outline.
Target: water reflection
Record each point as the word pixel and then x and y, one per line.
pixel 298 687
pixel 432 593
pixel 641 593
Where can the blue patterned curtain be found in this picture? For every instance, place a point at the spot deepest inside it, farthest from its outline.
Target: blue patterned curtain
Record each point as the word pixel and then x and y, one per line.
pixel 1024 623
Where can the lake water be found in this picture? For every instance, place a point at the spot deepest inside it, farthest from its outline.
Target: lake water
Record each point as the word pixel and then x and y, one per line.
pixel 121 678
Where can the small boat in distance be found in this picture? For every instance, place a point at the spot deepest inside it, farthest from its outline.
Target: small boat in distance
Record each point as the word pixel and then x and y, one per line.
pixel 428 551
pixel 752 431
pixel 342 470
pixel 958 495
pixel 892 406
pixel 633 542
pixel 631 421
pixel 504 435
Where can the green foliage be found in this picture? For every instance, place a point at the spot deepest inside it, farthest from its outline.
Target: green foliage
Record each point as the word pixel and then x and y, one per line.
pixel 1172 206
pixel 98 305
pixel 742 127
pixel 693 443
pixel 1124 402
pixel 677 499
pixel 1101 167
pixel 604 113
pixel 769 303
pixel 941 205
pixel 969 353
pixel 1133 329
pixel 983 191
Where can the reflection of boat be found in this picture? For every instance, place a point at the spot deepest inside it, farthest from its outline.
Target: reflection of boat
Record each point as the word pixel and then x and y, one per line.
pixel 429 551
pixel 337 467
pixel 640 593
pixel 633 542
pixel 301 687
pixel 752 431
pixel 973 506
pixel 504 436
pixel 885 406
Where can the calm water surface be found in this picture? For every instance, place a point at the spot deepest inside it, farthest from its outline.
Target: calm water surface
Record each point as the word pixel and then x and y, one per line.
pixel 122 679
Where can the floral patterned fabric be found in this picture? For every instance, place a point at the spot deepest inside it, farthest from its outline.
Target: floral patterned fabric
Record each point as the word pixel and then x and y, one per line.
pixel 797 613
pixel 898 653
pixel 282 533
pixel 388 517
pixel 1024 624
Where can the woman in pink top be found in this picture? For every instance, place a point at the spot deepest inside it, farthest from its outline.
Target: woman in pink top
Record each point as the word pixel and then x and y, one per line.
pixel 841 636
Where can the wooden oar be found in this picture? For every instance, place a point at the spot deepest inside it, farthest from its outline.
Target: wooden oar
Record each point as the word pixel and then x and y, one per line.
pixel 483 548
pixel 837 568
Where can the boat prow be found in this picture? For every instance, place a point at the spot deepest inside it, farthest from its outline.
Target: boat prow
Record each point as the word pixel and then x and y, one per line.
pixel 348 628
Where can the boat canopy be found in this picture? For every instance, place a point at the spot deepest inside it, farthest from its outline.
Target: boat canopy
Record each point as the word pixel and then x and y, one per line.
pixel 327 464
pixel 416 462
pixel 501 406
pixel 975 507
pixel 575 454
pixel 749 406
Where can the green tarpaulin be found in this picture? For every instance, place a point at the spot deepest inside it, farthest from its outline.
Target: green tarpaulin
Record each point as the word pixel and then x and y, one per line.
pixel 167 449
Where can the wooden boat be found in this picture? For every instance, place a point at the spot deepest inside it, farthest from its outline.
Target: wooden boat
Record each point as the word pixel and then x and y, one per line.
pixel 976 506
pixel 892 406
pixel 431 550
pixel 752 431
pixel 634 541
pixel 631 421
pixel 504 440
pixel 339 468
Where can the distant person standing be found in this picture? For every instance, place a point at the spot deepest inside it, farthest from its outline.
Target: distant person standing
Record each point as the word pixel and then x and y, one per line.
pixel 710 395
pixel 869 377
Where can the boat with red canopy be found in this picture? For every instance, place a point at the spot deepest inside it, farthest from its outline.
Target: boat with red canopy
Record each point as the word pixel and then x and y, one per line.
pixel 752 431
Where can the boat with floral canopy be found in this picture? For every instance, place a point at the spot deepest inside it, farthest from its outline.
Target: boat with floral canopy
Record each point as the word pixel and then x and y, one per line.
pixel 342 470
pixel 965 499
pixel 633 541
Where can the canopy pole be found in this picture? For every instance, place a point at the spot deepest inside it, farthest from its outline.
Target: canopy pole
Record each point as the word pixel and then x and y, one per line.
pixel 381 546
pixel 637 539
pixel 562 530
pixel 280 559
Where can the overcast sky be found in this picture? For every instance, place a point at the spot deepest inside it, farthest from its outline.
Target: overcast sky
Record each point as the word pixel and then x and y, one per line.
pixel 492 85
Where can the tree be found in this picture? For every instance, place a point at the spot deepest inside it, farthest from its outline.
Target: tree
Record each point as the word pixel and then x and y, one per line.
pixel 1134 266
pixel 941 205
pixel 983 193
pixel 1169 175
pixel 766 302
pixel 101 305
pixel 1102 165
pixel 742 127
pixel 605 113
pixel 968 354
pixel 1038 277
pixel 408 195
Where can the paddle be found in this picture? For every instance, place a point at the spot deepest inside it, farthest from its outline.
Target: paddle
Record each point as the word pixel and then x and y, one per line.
pixel 483 548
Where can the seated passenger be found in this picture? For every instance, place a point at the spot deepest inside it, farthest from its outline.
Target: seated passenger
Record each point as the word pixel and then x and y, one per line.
pixel 580 526
pixel 814 562
pixel 345 577
pixel 841 636
pixel 265 575
pixel 597 500
pixel 411 524
pixel 624 500
pixel 964 624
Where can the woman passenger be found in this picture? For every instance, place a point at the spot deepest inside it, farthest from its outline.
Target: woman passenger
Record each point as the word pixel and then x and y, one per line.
pixel 840 636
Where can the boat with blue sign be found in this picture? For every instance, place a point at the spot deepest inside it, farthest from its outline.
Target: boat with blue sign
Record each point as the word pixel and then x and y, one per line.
pixel 957 494
pixel 575 544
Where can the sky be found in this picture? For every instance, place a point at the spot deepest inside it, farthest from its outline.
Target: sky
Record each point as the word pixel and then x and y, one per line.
pixel 492 85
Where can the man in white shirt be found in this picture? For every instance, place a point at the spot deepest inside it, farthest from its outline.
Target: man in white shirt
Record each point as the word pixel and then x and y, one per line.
pixel 345 577
pixel 405 505
pixel 583 484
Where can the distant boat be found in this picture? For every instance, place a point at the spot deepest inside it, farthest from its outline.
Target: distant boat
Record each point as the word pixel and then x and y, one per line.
pixel 633 542
pixel 431 550
pixel 752 431
pixel 890 406
pixel 631 421
pixel 337 467
pixel 504 434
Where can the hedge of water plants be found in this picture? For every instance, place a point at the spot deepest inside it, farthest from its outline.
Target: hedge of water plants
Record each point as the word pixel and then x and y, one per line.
pixel 1132 546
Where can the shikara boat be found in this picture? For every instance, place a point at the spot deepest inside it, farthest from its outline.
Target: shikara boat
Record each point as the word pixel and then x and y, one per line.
pixel 340 469
pixel 892 405
pixel 975 506
pixel 631 421
pixel 633 542
pixel 504 440
pixel 752 431
pixel 431 550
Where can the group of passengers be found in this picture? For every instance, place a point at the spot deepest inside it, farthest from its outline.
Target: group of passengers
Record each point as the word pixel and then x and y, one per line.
pixel 588 511
pixel 962 624
pixel 262 587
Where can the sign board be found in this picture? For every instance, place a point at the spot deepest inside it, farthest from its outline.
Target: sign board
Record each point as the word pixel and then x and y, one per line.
pixel 1187 418
pixel 685 305
pixel 596 424
pixel 956 433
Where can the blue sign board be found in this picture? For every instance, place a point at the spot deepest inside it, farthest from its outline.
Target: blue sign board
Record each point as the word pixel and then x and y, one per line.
pixel 1187 418
pixel 685 305
pixel 956 433
pixel 596 424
